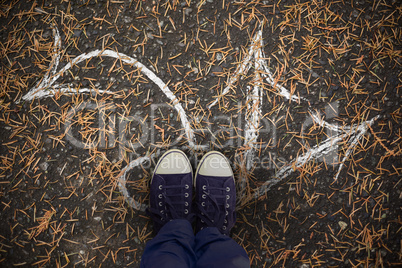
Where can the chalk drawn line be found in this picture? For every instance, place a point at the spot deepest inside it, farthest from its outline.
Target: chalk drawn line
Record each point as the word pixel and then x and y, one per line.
pixel 48 87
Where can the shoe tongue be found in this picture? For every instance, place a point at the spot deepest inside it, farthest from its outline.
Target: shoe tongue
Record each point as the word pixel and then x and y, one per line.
pixel 176 183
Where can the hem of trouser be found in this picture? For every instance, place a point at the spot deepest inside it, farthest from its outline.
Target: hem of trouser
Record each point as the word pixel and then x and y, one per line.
pixel 214 249
pixel 176 246
pixel 171 247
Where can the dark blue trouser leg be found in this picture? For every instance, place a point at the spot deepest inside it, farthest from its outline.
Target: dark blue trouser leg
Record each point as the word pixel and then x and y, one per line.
pixel 214 249
pixel 172 247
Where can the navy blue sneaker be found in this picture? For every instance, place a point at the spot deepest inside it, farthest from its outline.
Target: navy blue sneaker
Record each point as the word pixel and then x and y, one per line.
pixel 215 193
pixel 171 189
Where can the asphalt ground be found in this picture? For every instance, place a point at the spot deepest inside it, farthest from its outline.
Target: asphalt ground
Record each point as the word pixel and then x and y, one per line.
pixel 303 97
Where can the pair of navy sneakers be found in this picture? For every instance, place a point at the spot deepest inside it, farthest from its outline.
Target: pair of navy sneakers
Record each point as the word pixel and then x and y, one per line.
pixel 171 191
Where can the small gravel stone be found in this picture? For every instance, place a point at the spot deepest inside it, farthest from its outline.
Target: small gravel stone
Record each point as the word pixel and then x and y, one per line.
pixel 342 224
pixel 44 166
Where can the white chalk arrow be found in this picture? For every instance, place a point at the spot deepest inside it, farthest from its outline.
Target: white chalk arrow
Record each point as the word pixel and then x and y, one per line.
pixel 255 58
pixel 355 133
pixel 254 102
pixel 48 86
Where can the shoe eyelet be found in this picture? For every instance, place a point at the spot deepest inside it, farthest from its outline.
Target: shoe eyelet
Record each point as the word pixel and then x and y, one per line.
pixel 186 186
pixel 227 213
pixel 202 221
pixel 202 213
pixel 227 205
pixel 186 195
pixel 203 204
pixel 225 221
pixel 227 189
pixel 204 196
pixel 204 187
pixel 160 204
pixel 227 197
pixel 160 196
pixel 224 227
pixel 186 211
pixel 160 187
pixel 162 212
pixel 186 204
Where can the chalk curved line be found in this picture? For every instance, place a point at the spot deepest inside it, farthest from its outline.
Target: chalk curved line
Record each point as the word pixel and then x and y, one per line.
pixel 47 88
pixel 41 92
pixel 121 182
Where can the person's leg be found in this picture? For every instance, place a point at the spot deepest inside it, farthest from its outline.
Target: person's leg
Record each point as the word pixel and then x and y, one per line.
pixel 214 249
pixel 170 199
pixel 215 203
pixel 171 247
